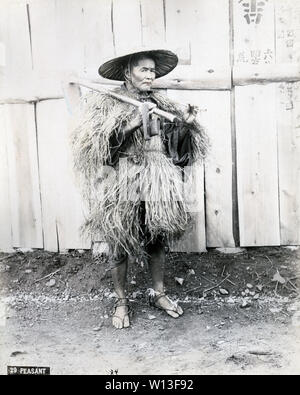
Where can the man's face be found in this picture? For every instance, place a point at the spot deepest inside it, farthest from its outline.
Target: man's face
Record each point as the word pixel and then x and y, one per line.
pixel 142 75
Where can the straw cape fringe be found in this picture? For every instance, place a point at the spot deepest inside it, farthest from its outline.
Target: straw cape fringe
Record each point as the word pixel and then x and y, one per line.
pixel 115 194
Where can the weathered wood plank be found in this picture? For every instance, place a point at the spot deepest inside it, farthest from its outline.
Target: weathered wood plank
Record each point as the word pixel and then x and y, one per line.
pixel 153 23
pixel 288 125
pixel 288 115
pixel 202 81
pixel 57 31
pixel 5 217
pixel 287 14
pixel 98 34
pixel 61 201
pixel 186 79
pixel 253 74
pixel 24 176
pixel 15 36
pixel 218 170
pixel 127 25
pixel 257 165
pixel 190 79
pixel 254 41
pixel 48 143
pixel 210 33
pixel 194 240
pixel 198 31
pixel 2 54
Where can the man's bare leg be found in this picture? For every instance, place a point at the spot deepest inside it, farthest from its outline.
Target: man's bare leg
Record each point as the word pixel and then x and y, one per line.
pixel 156 264
pixel 119 274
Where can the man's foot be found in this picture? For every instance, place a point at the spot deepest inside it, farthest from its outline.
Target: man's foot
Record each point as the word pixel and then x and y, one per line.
pixel 121 314
pixel 163 302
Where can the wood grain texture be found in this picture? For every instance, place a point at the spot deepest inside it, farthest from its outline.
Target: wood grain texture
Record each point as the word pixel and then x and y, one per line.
pixel 194 240
pixel 253 74
pixel 218 170
pixel 23 176
pixel 215 117
pixel 257 165
pixel 61 200
pixel 287 14
pixel 127 25
pixel 57 31
pixel 14 34
pixel 98 34
pixel 288 125
pixel 198 31
pixel 254 41
pixel 5 216
pixel 153 23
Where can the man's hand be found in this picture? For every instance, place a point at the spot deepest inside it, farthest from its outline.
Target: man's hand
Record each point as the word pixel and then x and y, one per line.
pixel 137 121
pixel 190 114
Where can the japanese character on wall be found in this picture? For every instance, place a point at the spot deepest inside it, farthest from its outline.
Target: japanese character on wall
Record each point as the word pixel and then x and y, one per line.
pixel 253 10
pixel 255 56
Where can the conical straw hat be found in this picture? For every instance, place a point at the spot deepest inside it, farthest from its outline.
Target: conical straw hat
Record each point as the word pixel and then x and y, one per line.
pixel 165 61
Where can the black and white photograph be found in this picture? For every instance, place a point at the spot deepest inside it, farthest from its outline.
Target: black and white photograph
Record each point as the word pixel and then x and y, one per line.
pixel 150 189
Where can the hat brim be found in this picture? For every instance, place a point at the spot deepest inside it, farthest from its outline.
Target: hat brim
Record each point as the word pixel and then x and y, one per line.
pixel 165 61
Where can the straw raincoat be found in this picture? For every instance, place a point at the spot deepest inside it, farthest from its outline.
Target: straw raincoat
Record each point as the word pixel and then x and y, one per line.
pixel 134 187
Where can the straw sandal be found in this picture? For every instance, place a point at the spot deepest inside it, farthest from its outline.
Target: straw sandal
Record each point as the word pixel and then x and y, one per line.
pixel 122 302
pixel 157 295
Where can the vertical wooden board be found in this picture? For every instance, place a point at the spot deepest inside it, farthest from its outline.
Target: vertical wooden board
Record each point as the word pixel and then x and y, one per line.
pixel 98 35
pixel 57 32
pixel 127 25
pixel 218 169
pixel 287 31
pixel 180 21
pixel 43 26
pixel 69 34
pixel 253 27
pixel 288 124
pixel 14 34
pixel 153 23
pixel 198 30
pixel 215 117
pixel 48 139
pixel 71 219
pixel 257 165
pixel 61 201
pixel 211 40
pixel 5 217
pixel 193 240
pixel 24 176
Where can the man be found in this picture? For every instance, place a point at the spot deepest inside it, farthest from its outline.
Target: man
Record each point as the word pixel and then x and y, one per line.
pixel 116 161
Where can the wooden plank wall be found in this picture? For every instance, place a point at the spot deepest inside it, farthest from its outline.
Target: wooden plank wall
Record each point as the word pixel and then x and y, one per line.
pixel 14 33
pixel 219 46
pixel 5 215
pixel 288 121
pixel 23 176
pixel 266 122
pixel 63 210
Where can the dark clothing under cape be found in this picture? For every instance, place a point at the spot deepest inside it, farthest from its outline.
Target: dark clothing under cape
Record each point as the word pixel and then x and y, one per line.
pixel 177 141
pixel 99 141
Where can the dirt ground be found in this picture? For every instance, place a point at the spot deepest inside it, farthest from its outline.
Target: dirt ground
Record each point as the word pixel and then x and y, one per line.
pixel 242 314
